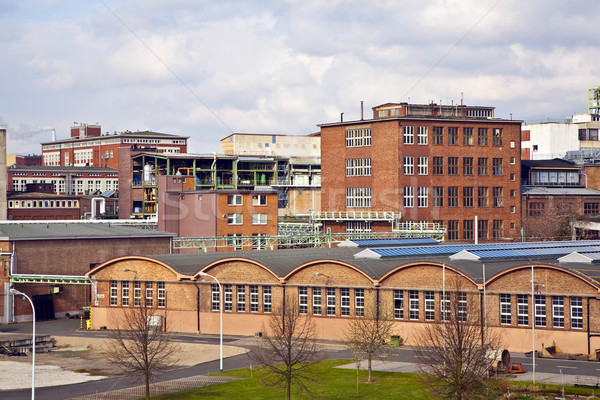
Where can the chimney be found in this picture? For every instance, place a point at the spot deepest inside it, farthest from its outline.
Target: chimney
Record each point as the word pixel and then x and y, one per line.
pixel 341 117
pixel 362 117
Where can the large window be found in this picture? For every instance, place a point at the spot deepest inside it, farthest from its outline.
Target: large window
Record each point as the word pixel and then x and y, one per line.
pixel 358 197
pixel 234 200
pixel 437 196
pixel 482 166
pixel 259 219
pixel 467 165
pixel 330 301
pixel 422 136
pixel 452 136
pixel 576 313
pixel 137 293
pixel 345 302
pixel 316 301
pixel 497 140
pixel 359 302
pixel 358 137
pixel 422 197
pixel 409 135
pixel 497 166
pixel 409 196
pixel 536 208
pixel 423 164
pixel 303 300
pixel 540 310
pixel 161 295
pixel 468 229
pixel 429 306
pixel 413 304
pixel 215 297
pixel 438 165
pixel 358 167
pixel 114 293
pixel 267 299
pixel 461 298
pixel 468 136
pixel 438 135
pixel 259 200
pixel 241 298
pixel 482 136
pixel 505 309
pixel 235 219
pixel 398 304
pixel 445 306
pixel 497 196
pixel 149 294
pixel 482 229
pixel 452 230
pixel 482 197
pixel 558 312
pixel 228 298
pixel 452 165
pixel 409 165
pixel 124 293
pixel 498 229
pixel 253 298
pixel 453 196
pixel 591 208
pixel 468 196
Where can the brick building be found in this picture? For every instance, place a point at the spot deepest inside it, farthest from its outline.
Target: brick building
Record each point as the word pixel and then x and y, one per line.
pixel 87 146
pixel 335 285
pixel 47 250
pixel 210 213
pixel 424 163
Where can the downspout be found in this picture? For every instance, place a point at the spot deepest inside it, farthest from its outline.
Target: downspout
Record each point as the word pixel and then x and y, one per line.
pixel 197 306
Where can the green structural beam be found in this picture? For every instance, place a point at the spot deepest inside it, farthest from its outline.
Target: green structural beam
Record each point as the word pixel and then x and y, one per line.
pixel 50 279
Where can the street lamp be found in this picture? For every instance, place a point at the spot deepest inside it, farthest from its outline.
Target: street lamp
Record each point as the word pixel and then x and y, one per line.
pixel 221 318
pixel 16 292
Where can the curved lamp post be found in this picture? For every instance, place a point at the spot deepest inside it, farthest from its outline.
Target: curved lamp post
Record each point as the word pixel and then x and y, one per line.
pixel 221 318
pixel 16 292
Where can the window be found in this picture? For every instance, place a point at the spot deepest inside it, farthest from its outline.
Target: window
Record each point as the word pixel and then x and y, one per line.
pixel 558 312
pixel 591 208
pixel 445 306
pixel 124 293
pixel 468 229
pixel 453 196
pixel 409 165
pixel 429 306
pixel 234 219
pixel 468 136
pixel 422 135
pixel 482 166
pixel 359 302
pixel 227 298
pixel 162 295
pixel 482 137
pixel 498 229
pixel 358 137
pixel 452 136
pixel 149 293
pixel 482 197
pixel 452 230
pixel 215 297
pixel 345 302
pixel 358 167
pixel 497 140
pixel 482 229
pixel 452 165
pixel 316 301
pixel 576 313
pixel 438 165
pixel 467 165
pixel 409 196
pixel 235 240
pixel 267 299
pixel 497 196
pixel 437 193
pixel 505 311
pixel 259 200
pixel 330 301
pixel 513 161
pixel 409 135
pixel 438 135
pixel 423 165
pixel 398 304
pixel 234 200
pixel 497 166
pixel 259 219
pixel 253 298
pixel 358 227
pixel 540 310
pixel 513 177
pixel 241 298
pixel 113 293
pixel 358 197
pixel 461 298
pixel 413 304
pixel 259 242
pixel 137 293
pixel 467 196
pixel 536 209
pixel 303 300
pixel 422 197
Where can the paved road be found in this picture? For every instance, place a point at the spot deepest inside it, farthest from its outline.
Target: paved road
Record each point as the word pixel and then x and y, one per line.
pixel 547 370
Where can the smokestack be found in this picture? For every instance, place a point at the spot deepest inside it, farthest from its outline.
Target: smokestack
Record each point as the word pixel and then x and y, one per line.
pixel 362 117
pixel 54 135
pixel 341 117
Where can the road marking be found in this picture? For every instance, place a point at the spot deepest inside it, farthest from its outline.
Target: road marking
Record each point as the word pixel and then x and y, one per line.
pixel 564 366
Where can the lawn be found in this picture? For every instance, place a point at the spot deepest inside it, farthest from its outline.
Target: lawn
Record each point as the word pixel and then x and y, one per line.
pixel 329 383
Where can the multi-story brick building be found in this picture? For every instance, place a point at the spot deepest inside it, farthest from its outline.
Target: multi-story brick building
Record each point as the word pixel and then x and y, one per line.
pixel 453 165
pixel 89 147
pixel 556 294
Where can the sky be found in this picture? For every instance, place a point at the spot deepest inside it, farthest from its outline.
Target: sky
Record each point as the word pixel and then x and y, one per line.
pixel 206 69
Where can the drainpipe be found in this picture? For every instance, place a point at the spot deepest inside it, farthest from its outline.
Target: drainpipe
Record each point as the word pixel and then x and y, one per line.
pixel 197 306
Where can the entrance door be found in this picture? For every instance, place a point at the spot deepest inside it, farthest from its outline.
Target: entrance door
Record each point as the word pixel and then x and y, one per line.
pixel 44 307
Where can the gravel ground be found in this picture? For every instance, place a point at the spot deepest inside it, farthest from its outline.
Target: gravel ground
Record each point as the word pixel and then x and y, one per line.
pixel 76 360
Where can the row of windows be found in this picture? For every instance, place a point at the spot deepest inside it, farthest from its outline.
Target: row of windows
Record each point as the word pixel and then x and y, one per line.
pixel 237 200
pixel 469 197
pixel 257 241
pixel 132 293
pixel 541 315
pixel 537 208
pixel 242 300
pixel 238 219
pixel 78 186
pixel 468 165
pixel 358 197
pixel 358 137
pixel 483 229
pixel 43 204
pixel 358 167
pixel 468 137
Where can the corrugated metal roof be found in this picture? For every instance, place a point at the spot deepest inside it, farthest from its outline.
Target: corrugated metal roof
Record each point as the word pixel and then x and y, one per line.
pixel 73 231
pixel 551 191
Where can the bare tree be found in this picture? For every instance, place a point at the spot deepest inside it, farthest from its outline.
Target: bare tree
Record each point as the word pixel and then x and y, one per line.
pixel 140 347
pixel 288 349
pixel 551 222
pixel 369 336
pixel 453 352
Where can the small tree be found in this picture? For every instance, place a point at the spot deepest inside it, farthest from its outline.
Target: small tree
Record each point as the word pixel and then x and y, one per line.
pixel 369 336
pixel 139 347
pixel 288 349
pixel 453 352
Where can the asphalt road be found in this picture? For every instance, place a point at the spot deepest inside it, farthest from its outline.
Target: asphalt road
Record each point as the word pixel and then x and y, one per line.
pixel 334 351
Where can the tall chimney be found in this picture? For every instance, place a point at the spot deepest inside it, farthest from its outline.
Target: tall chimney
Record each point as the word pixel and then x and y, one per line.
pixel 362 110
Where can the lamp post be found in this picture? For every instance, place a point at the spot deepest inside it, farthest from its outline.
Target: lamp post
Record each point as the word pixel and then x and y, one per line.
pixel 221 318
pixel 16 292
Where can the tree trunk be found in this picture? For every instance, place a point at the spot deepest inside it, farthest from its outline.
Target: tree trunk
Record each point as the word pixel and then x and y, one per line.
pixel 147 379
pixel 370 378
